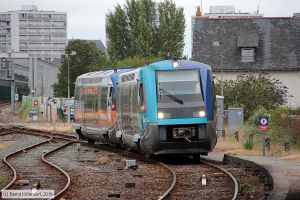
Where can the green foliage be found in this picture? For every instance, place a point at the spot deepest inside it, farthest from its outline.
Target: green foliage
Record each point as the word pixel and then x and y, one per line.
pixel 284 124
pixel 24 110
pixel 135 31
pixel 4 179
pixel 88 58
pixel 252 91
pixel 248 144
pixel 244 187
pixel 171 29
pixel 137 61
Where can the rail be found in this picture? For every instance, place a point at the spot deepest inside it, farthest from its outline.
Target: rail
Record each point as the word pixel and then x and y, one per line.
pixel 50 138
pixel 236 187
pixel 170 189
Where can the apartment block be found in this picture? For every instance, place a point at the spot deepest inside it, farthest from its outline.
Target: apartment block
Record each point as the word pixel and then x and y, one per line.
pixel 41 34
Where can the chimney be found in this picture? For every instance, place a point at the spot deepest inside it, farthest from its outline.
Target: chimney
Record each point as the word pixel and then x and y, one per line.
pixel 198 12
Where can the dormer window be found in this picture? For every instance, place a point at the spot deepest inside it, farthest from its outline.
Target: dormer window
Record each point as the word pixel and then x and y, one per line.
pixel 247 54
pixel 247 43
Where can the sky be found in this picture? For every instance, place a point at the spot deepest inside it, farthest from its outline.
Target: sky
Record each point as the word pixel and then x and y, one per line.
pixel 86 18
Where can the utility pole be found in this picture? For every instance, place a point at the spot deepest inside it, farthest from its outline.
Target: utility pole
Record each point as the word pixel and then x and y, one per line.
pixel 69 109
pixel 12 81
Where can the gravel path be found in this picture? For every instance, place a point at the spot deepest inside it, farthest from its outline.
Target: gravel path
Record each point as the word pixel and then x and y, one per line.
pixel 96 174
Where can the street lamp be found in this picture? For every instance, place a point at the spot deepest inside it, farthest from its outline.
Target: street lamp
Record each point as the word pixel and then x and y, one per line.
pixel 72 53
pixel 218 45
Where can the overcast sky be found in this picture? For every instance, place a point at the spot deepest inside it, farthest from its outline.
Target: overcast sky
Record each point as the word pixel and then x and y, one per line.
pixel 86 18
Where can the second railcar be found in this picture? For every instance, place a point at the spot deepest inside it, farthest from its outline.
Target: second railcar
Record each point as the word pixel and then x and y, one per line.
pixel 95 104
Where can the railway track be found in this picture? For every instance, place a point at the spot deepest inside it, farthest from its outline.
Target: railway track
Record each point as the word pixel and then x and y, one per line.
pixel 202 180
pixel 184 180
pixel 30 166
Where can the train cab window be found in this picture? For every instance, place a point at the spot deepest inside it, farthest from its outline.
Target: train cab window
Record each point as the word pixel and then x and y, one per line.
pixel 178 86
pixel 142 104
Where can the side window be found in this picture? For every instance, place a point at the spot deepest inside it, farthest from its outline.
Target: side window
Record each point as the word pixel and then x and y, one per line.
pixel 142 103
pixel 113 98
pixel 76 95
pixel 99 98
pixel 104 98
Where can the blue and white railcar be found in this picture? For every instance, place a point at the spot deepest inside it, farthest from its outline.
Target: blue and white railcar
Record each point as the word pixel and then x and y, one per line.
pixel 168 107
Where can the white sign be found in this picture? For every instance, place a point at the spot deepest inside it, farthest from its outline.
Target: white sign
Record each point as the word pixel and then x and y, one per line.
pixel 16 97
pixel 27 194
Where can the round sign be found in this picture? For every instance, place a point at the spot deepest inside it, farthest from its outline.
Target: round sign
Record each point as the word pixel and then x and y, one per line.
pixel 263 121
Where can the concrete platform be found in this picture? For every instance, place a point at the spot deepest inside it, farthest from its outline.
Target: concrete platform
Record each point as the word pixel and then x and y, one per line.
pixel 285 174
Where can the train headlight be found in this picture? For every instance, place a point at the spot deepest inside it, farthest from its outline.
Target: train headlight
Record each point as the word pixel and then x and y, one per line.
pixel 160 115
pixel 202 113
pixel 176 64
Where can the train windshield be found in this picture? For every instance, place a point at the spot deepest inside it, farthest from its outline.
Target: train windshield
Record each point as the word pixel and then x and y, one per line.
pixel 178 86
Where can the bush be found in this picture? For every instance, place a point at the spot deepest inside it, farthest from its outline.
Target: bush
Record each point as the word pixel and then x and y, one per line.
pixel 248 144
pixel 252 91
pixel 24 110
pixel 284 124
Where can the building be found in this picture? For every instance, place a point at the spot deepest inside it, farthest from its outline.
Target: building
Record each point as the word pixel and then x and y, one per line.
pixel 32 74
pixel 250 43
pixel 99 44
pixel 41 34
pixel 229 12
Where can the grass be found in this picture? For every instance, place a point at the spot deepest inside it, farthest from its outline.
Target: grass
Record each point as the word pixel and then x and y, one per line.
pixel 60 127
pixel 4 179
pixel 2 146
pixel 24 110
pixel 229 145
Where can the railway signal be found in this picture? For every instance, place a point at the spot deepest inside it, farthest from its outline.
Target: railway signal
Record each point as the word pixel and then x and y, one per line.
pixel 3 63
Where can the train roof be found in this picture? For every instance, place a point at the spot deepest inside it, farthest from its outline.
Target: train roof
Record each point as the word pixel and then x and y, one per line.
pixel 184 64
pixel 100 77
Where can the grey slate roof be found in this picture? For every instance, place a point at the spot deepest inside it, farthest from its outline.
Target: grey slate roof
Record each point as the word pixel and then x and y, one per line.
pixel 276 42
pixel 99 45
pixel 247 40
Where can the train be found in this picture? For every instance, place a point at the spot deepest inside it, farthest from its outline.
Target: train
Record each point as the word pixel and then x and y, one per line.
pixel 167 107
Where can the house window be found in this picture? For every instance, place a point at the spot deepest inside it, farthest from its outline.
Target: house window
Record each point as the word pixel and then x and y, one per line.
pixel 247 54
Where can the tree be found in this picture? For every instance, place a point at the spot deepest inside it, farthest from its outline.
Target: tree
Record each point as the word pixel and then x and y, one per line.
pixel 252 91
pixel 171 29
pixel 140 30
pixel 88 58
pixel 137 61
pixel 117 29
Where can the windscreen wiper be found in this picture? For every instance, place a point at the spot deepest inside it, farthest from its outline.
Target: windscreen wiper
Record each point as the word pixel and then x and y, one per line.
pixel 171 96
